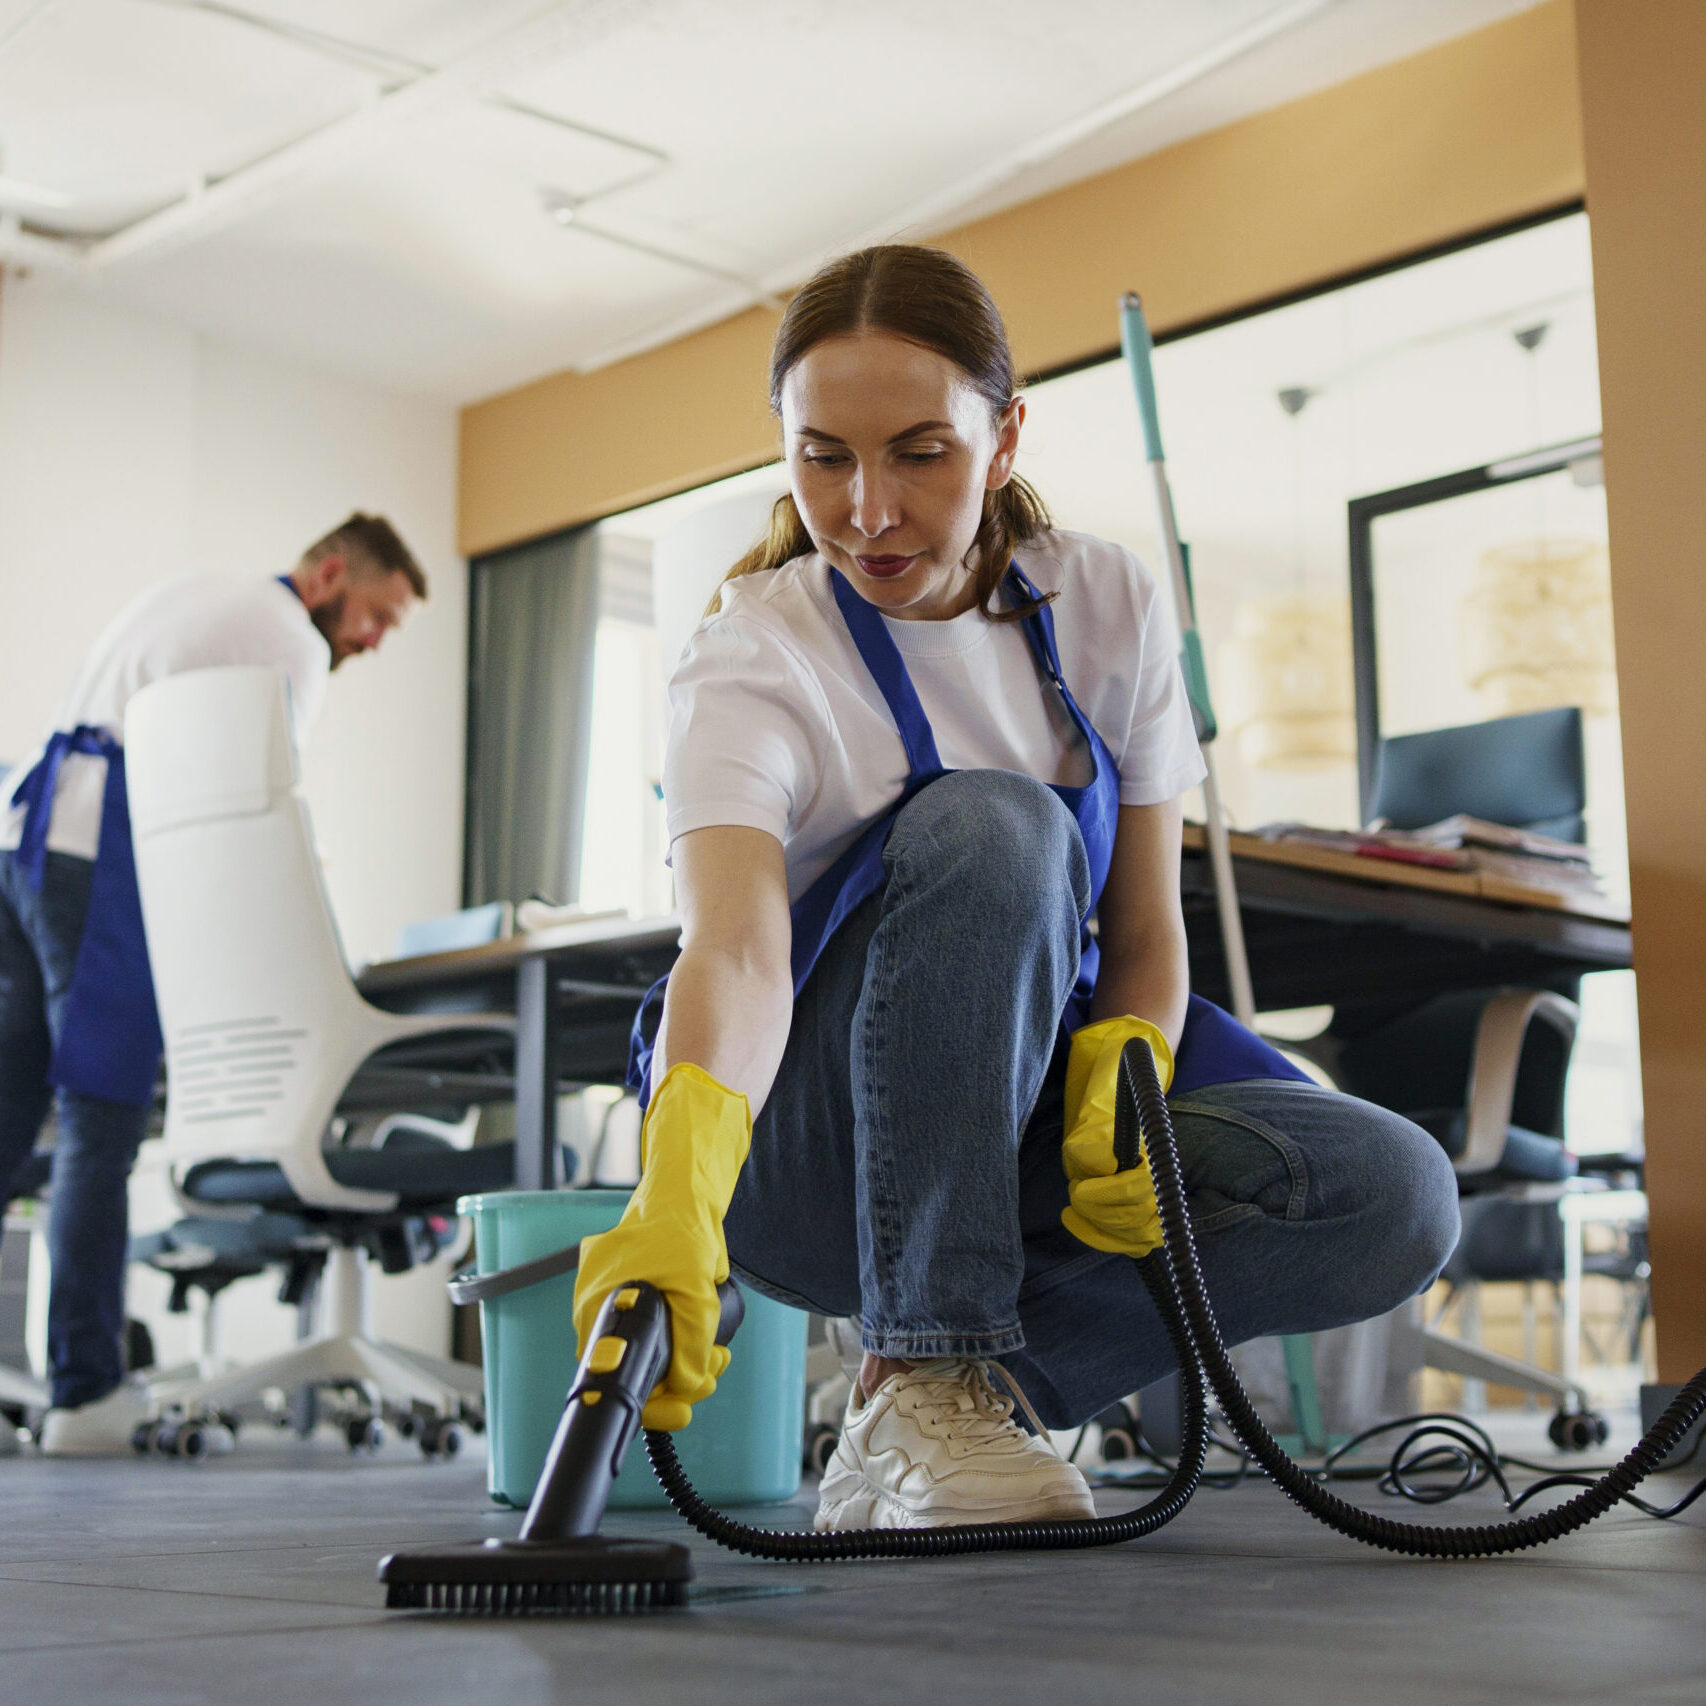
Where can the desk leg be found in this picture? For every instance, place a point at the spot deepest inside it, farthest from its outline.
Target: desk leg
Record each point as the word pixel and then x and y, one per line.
pixel 537 1162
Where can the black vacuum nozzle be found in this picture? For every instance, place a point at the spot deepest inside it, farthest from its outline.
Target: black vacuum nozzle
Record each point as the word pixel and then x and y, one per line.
pixel 539 1578
pixel 561 1563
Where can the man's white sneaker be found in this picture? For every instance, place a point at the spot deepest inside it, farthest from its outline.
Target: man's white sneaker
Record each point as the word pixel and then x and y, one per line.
pixel 937 1446
pixel 104 1428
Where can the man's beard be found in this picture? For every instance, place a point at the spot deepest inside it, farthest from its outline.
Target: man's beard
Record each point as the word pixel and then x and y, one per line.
pixel 328 617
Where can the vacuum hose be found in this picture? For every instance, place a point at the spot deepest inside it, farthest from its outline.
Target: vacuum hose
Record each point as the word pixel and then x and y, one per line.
pixel 1173 1276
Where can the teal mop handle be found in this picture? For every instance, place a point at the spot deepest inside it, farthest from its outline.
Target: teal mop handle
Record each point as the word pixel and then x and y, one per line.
pixel 1139 351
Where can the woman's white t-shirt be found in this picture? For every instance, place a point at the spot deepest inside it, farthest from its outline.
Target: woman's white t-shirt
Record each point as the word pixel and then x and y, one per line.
pixel 776 723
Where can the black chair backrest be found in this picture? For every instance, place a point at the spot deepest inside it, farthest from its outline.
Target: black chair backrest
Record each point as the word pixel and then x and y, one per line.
pixel 1527 772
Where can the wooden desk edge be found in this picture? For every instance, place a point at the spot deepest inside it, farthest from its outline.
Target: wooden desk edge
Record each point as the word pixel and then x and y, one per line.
pixel 509 951
pixel 661 931
pixel 1392 873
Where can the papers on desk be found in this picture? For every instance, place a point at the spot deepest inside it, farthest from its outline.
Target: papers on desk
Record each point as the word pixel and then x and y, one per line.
pixel 1367 844
pixel 1459 843
pixel 532 916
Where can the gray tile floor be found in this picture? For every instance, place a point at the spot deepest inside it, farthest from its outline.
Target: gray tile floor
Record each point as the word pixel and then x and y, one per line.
pixel 251 1579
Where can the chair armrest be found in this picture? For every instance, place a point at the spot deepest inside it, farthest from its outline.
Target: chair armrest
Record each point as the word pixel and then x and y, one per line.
pixel 312 1181
pixel 401 1026
pixel 1492 1076
pixel 1321 1052
pixel 459 1134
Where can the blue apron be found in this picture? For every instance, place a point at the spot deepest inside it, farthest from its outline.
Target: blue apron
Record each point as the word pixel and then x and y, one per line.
pixel 109 1035
pixel 1214 1049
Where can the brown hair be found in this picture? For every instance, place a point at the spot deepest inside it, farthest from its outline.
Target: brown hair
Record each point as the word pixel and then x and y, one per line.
pixel 931 299
pixel 370 542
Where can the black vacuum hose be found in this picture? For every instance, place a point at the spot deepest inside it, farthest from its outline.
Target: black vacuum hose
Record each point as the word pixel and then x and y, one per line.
pixel 1421 1540
pixel 798 1546
pixel 1173 1276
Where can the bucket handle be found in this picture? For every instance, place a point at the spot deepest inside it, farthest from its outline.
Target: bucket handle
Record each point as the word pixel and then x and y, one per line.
pixel 482 1288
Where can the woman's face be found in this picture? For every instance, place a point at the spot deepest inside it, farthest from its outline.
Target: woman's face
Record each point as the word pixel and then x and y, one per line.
pixel 890 450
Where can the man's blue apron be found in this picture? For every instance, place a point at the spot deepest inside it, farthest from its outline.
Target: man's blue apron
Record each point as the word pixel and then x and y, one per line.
pixel 1214 1049
pixel 109 1035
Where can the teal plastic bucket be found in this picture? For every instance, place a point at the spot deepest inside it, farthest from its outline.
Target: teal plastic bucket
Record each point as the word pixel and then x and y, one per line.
pixel 743 1446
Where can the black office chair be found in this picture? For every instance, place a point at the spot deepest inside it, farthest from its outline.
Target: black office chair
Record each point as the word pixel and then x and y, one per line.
pixel 1526 772
pixel 1484 1070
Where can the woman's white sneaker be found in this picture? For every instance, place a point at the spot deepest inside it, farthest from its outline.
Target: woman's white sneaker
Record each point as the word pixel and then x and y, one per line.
pixel 937 1446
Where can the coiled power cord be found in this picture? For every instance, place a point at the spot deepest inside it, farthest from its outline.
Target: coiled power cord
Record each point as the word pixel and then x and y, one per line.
pixel 1173 1276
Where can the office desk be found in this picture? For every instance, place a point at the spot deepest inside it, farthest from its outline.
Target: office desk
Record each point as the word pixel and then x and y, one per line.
pixel 1330 929
pixel 573 990
pixel 1323 929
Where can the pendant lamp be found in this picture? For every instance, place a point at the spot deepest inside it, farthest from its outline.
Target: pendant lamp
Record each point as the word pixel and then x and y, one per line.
pixel 1287 691
pixel 1535 628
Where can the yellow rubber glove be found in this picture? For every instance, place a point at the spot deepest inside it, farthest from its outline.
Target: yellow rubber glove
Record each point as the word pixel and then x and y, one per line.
pixel 1109 1210
pixel 692 1148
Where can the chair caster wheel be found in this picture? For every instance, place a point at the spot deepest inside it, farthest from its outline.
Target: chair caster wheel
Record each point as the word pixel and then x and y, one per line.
pixel 820 1447
pixel 1578 1430
pixel 302 1411
pixel 441 1439
pixel 142 1438
pixel 1117 1446
pixel 1119 1434
pixel 186 1439
pixel 364 1433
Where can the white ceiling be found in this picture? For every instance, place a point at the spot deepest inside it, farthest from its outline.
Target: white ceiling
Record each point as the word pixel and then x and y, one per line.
pixel 359 184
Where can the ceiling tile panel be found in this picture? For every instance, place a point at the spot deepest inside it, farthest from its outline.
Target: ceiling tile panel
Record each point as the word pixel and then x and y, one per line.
pixel 744 140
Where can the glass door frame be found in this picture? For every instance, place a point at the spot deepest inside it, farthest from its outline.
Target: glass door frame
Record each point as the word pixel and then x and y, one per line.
pixel 1362 513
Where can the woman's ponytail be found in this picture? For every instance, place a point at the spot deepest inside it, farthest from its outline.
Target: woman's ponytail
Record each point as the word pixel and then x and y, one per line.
pixel 784 540
pixel 1013 515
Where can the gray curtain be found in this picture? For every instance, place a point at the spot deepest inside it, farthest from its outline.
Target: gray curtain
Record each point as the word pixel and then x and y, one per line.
pixel 534 622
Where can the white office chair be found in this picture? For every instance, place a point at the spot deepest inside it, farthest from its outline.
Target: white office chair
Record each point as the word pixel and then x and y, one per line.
pixel 20 1389
pixel 265 1031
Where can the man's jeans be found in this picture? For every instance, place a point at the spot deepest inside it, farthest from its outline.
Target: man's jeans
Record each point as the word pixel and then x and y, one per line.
pixel 97 1142
pixel 906 1168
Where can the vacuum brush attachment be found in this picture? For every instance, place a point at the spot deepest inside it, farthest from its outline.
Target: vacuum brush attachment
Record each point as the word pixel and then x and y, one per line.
pixel 539 1578
pixel 560 1563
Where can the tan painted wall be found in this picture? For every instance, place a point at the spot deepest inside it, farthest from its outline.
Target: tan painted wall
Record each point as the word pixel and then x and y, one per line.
pixel 1466 136
pixel 1643 73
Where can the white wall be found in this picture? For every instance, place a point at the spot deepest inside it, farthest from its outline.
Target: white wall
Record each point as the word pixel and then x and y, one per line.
pixel 132 451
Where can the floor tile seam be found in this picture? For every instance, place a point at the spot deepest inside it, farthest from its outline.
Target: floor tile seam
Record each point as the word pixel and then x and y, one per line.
pixel 1389 1562
pixel 9 1567
pixel 186 1592
pixel 1380 1556
pixel 186 1637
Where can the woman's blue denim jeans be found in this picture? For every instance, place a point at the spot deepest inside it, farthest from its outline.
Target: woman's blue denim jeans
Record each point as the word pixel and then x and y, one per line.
pixel 906 1167
pixel 40 934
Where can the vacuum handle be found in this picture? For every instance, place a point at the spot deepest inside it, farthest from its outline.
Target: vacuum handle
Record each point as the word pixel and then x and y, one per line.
pixel 482 1288
pixel 626 1355
pixel 1137 1059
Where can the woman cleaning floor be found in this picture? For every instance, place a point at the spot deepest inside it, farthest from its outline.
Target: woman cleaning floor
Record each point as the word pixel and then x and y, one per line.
pixel 922 741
